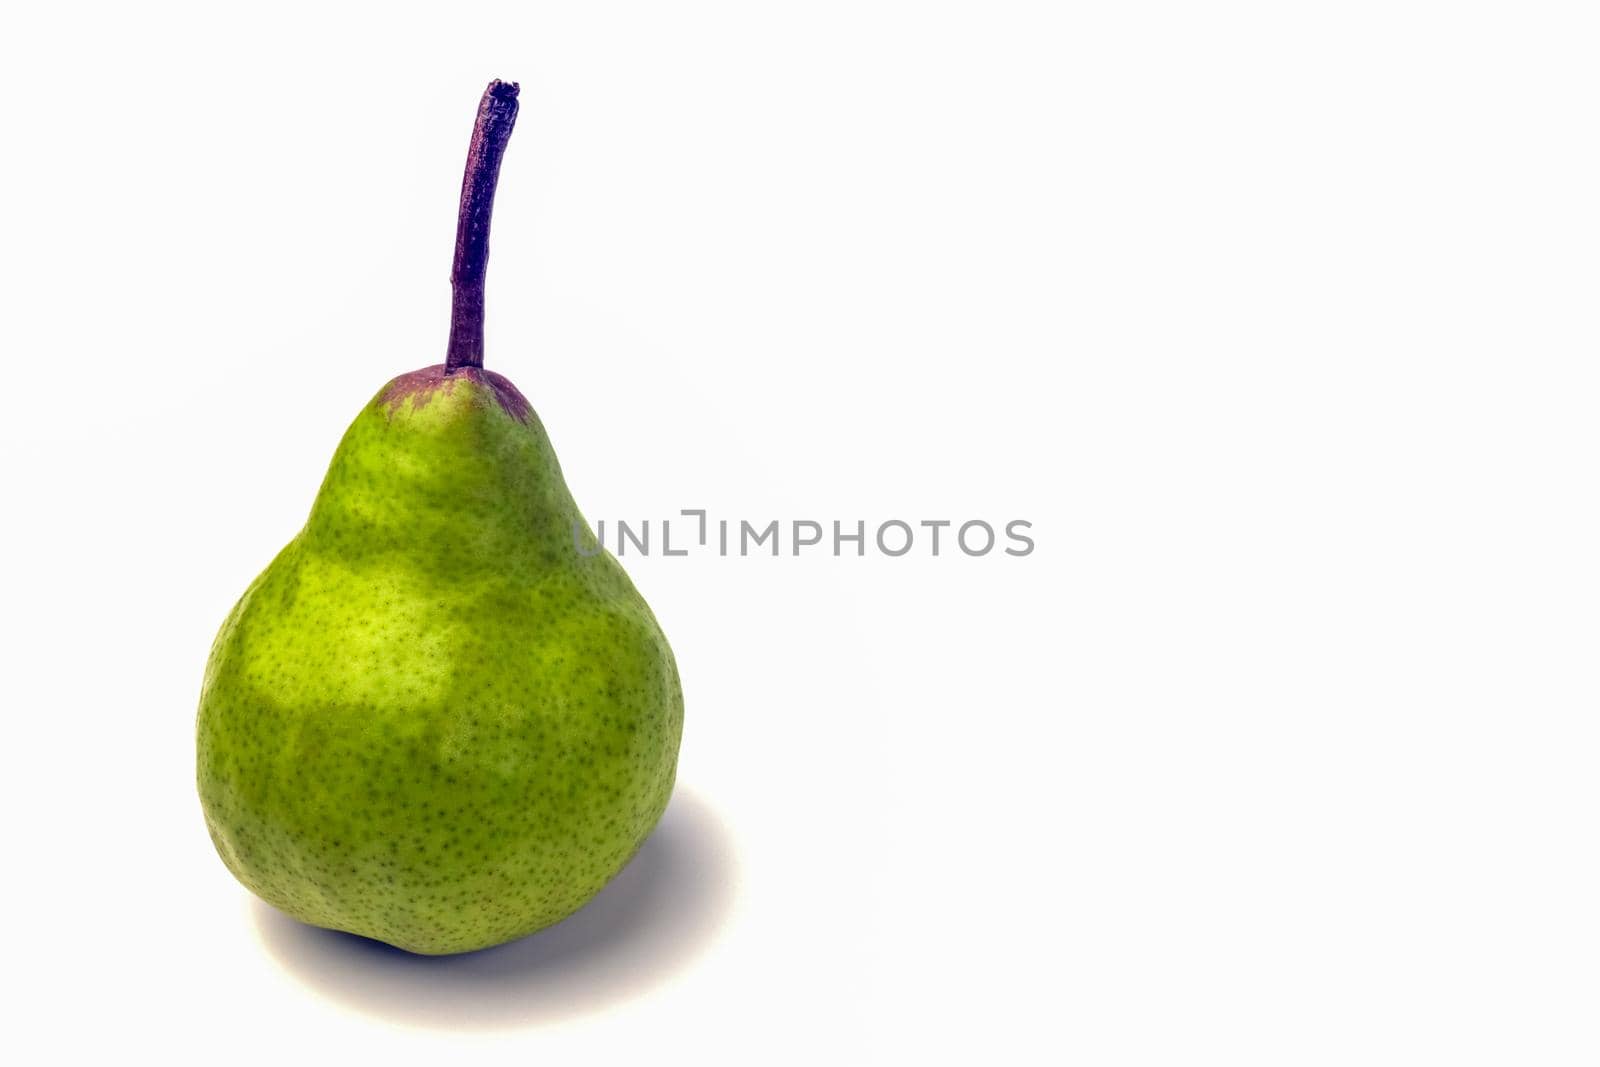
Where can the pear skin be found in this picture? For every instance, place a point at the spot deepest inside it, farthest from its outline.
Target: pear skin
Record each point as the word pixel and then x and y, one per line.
pixel 432 720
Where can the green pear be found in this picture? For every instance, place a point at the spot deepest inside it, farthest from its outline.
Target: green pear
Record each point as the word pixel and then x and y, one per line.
pixel 440 717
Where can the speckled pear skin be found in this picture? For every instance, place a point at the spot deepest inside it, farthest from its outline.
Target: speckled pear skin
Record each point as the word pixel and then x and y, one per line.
pixel 431 720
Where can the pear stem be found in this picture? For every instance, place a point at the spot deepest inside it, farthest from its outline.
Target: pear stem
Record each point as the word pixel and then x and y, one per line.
pixel 497 113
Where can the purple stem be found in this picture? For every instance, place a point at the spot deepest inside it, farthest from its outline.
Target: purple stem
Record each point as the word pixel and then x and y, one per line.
pixel 497 113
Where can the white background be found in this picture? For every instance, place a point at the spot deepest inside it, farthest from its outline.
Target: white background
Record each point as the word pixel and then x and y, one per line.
pixel 1278 321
